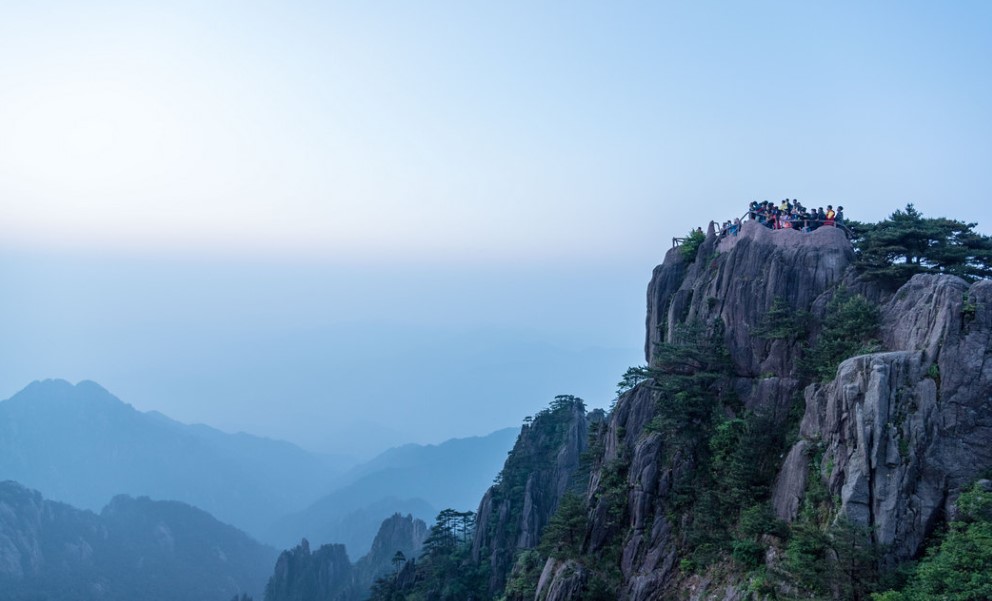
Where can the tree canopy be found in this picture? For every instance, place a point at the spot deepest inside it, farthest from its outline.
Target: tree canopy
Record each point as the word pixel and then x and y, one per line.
pixel 960 568
pixel 691 243
pixel 907 243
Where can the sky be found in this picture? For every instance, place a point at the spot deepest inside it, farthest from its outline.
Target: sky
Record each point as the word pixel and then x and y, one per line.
pixel 352 225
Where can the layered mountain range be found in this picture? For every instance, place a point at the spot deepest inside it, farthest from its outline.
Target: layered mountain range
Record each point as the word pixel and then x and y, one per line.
pixel 132 549
pixel 412 479
pixel 81 445
pixel 93 485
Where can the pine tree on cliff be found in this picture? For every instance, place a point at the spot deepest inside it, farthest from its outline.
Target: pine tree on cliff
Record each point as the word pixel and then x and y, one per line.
pixel 908 243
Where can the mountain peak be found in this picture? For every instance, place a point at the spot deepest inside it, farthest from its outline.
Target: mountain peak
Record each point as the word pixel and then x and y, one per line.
pixel 60 391
pixel 79 443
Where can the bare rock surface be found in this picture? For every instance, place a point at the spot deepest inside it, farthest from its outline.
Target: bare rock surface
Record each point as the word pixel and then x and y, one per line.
pixel 903 432
pixel 738 279
pixel 561 580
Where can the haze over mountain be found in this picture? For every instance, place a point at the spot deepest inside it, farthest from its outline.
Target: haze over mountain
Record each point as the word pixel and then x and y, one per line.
pixel 347 367
pixel 81 445
pixel 133 549
pixel 328 574
pixel 354 225
pixel 412 479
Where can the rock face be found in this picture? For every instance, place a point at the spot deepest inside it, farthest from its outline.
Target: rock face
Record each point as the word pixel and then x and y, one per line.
pixel 328 574
pixel 649 557
pixel 737 281
pixel 561 580
pixel 300 574
pixel 889 442
pixel 538 472
pixel 397 534
pixel 896 434
pixel 902 432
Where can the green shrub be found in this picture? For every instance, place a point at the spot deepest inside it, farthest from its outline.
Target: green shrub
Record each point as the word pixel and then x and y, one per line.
pixel 748 553
pixel 565 533
pixel 691 243
pixel 782 322
pixel 759 520
pixel 850 328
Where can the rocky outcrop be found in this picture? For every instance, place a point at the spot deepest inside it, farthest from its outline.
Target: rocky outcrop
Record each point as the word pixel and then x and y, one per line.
pixel 902 432
pixel 894 437
pixel 300 574
pixel 397 534
pixel 738 279
pixel 665 280
pixel 896 434
pixel 561 580
pixel 538 472
pixel 648 557
pixel 328 574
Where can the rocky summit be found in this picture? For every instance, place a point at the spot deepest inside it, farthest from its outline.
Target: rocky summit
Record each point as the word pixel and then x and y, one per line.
pixel 893 437
pixel 800 430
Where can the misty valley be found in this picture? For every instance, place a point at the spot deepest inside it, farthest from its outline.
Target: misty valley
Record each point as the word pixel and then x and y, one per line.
pixel 103 501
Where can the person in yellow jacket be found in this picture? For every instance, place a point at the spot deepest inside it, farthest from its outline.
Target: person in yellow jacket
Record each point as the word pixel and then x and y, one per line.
pixel 830 215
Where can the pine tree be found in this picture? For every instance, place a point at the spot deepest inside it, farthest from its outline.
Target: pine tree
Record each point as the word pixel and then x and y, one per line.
pixel 908 243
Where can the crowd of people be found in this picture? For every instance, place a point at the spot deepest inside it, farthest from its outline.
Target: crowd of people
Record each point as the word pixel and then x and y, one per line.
pixel 788 214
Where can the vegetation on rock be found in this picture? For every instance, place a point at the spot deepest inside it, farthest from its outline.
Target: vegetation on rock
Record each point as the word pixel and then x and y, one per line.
pixel 447 569
pixel 850 329
pixel 959 568
pixel 691 243
pixel 444 572
pixel 680 481
pixel 906 243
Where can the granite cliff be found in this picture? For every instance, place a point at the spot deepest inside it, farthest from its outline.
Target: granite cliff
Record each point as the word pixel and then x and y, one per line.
pixel 542 466
pixel 799 431
pixel 893 437
pixel 327 572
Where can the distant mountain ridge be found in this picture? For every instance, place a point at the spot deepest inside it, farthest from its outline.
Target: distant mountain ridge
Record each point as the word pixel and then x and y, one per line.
pixel 82 445
pixel 134 549
pixel 414 479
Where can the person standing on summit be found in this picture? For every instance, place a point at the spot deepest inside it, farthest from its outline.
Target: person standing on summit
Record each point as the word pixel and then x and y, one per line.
pixel 830 216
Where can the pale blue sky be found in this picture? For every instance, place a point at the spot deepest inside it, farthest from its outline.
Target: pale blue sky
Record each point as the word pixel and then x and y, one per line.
pixel 516 169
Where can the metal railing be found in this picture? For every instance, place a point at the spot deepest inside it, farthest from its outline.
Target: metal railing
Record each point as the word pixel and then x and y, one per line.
pixel 722 231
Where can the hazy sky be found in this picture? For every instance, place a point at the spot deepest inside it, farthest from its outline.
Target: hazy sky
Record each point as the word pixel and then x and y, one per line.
pixel 294 217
